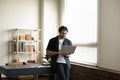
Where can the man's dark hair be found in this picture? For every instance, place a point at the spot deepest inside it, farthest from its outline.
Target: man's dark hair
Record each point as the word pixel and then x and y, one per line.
pixel 62 28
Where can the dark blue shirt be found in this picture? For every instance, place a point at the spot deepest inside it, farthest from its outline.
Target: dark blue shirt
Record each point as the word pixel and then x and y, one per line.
pixel 53 45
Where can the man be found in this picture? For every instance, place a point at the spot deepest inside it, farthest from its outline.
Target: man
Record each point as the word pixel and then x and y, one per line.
pixel 60 63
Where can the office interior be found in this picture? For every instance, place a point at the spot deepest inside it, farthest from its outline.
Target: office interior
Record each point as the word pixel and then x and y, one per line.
pixel 47 15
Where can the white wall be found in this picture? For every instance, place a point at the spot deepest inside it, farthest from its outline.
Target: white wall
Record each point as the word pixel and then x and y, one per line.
pixel 51 20
pixel 16 14
pixel 25 14
pixel 109 56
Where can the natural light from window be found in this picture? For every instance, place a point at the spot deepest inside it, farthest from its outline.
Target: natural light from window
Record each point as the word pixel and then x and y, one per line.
pixel 80 16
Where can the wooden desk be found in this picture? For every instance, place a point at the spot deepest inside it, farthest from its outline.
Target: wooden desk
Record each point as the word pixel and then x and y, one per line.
pixel 30 69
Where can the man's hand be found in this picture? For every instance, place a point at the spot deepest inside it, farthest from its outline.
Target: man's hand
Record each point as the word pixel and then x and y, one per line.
pixel 67 55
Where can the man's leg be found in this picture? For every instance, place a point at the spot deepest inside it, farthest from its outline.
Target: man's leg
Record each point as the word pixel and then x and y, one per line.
pixel 0 76
pixel 52 75
pixel 67 72
pixel 61 72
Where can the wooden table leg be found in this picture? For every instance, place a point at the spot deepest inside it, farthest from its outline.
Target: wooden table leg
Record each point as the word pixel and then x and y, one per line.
pixel 35 77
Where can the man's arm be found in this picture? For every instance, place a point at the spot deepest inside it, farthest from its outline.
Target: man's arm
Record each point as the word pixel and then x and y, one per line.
pixel 52 52
pixel 49 48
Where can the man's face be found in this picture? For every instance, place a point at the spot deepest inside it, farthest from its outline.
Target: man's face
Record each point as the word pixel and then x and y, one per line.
pixel 63 34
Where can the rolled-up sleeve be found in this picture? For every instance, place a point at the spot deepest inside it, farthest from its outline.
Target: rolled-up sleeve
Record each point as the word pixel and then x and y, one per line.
pixel 49 45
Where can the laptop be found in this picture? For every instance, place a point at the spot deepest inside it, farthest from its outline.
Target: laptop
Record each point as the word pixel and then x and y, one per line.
pixel 67 49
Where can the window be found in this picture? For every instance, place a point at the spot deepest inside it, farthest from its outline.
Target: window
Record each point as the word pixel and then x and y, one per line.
pixel 80 16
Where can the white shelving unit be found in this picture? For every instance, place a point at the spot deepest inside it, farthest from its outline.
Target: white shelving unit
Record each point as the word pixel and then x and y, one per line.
pixel 25 42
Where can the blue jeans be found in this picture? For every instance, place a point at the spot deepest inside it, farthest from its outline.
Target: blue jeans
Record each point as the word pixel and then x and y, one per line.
pixel 63 71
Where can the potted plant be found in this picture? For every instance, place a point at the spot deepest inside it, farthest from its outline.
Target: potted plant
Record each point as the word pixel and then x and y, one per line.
pixel 47 60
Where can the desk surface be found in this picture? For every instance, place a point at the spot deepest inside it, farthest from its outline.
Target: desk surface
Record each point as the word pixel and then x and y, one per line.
pixel 28 69
pixel 24 66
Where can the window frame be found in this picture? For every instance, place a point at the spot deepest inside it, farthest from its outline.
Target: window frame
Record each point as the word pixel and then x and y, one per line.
pixel 90 45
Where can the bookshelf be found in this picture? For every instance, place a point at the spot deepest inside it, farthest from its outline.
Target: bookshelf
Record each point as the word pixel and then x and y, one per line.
pixel 25 42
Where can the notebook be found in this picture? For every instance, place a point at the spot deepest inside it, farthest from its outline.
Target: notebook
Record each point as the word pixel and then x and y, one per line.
pixel 67 49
